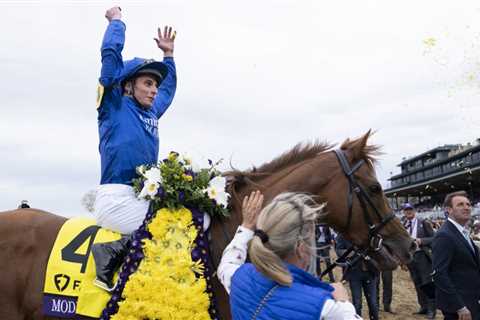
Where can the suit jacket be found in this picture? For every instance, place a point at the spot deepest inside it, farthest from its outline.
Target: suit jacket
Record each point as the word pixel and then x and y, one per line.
pixel 421 265
pixel 425 233
pixel 456 271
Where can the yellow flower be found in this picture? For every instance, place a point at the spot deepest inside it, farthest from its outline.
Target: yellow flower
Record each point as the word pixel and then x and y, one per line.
pixel 172 156
pixel 430 42
pixel 165 285
pixel 187 177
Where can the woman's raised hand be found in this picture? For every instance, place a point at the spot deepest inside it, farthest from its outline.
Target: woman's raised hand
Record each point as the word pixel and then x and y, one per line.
pixel 339 293
pixel 251 208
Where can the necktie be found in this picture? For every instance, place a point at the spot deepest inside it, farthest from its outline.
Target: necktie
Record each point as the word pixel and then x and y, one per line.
pixel 408 226
pixel 466 235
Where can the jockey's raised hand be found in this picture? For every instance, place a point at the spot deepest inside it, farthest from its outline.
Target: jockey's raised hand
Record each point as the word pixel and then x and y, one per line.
pixel 251 208
pixel 166 40
pixel 150 86
pixel 114 13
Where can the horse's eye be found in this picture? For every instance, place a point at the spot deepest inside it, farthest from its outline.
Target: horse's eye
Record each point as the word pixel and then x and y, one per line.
pixel 376 188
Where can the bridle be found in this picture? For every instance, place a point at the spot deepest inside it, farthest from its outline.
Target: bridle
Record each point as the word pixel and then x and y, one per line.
pixel 375 240
pixel 374 237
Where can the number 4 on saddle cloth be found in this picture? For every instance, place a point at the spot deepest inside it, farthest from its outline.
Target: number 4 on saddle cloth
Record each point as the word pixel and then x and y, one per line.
pixel 69 291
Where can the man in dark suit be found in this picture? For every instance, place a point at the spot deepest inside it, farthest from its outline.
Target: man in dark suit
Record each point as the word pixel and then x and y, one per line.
pixel 421 266
pixel 362 275
pixel 456 262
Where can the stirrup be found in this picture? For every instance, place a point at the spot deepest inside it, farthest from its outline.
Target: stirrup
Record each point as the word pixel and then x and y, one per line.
pixel 97 282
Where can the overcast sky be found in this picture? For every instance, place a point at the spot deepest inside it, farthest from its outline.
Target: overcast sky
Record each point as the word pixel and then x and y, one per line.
pixel 254 79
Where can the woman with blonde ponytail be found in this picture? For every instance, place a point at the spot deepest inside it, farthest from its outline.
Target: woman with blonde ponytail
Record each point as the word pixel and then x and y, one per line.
pixel 275 284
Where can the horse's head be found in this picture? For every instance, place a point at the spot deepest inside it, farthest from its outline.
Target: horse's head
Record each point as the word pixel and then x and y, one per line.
pixel 357 206
pixel 317 170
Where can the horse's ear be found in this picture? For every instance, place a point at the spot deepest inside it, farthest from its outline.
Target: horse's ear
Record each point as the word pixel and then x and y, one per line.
pixel 358 147
pixel 230 179
pixel 234 179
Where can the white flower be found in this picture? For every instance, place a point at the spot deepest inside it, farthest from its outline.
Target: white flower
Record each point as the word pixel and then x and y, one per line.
pixel 195 167
pixel 216 190
pixel 187 159
pixel 195 163
pixel 141 169
pixel 150 188
pixel 153 175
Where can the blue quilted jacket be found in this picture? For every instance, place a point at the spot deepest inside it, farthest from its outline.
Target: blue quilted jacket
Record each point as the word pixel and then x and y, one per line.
pixel 303 300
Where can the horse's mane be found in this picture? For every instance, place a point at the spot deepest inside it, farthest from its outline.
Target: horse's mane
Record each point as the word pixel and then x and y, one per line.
pixel 299 153
pixel 296 155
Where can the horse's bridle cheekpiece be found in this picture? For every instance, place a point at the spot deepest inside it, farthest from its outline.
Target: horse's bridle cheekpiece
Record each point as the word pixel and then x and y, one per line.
pixel 374 237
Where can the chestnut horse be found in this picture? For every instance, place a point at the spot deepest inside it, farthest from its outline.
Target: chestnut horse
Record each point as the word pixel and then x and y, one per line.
pixel 27 235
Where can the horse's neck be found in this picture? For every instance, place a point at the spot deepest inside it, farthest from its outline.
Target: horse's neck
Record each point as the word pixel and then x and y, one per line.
pixel 291 179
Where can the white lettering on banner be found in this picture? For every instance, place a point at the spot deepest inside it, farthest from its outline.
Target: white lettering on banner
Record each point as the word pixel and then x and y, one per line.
pixel 71 307
pixel 56 305
pixel 151 124
pixel 63 306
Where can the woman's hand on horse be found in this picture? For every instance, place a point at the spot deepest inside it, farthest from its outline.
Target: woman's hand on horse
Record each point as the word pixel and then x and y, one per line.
pixel 166 40
pixel 339 293
pixel 114 13
pixel 251 208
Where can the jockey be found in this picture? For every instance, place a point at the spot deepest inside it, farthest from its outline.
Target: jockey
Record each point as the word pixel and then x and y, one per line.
pixel 274 285
pixel 132 96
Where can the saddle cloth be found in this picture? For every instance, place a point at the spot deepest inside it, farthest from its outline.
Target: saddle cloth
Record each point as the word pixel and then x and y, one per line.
pixel 69 291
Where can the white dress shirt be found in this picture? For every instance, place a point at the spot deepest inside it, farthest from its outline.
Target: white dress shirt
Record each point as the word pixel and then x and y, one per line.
pixel 464 232
pixel 235 255
pixel 413 227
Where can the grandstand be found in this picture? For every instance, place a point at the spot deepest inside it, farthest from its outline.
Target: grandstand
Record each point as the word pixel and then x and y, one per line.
pixel 426 178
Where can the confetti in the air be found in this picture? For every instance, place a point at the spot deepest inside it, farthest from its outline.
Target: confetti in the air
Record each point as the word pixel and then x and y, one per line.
pixel 430 42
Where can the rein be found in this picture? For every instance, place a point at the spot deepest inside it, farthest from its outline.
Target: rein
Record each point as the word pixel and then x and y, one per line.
pixel 375 240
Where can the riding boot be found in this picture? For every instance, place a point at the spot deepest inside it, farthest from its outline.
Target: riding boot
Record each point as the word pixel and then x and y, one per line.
pixel 108 257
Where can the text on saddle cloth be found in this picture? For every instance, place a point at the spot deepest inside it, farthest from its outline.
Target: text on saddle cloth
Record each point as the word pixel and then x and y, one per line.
pixel 69 288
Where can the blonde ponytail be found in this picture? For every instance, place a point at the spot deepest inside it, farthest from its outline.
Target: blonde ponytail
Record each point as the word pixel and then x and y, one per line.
pixel 285 221
pixel 268 263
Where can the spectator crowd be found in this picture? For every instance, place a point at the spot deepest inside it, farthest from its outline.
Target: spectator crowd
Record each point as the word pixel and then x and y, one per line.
pixel 445 269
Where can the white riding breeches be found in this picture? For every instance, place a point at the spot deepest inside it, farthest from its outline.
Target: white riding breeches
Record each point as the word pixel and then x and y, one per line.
pixel 118 208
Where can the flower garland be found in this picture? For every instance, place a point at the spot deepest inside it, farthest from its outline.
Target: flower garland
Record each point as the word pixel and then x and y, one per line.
pixel 167 271
pixel 176 182
pixel 168 283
